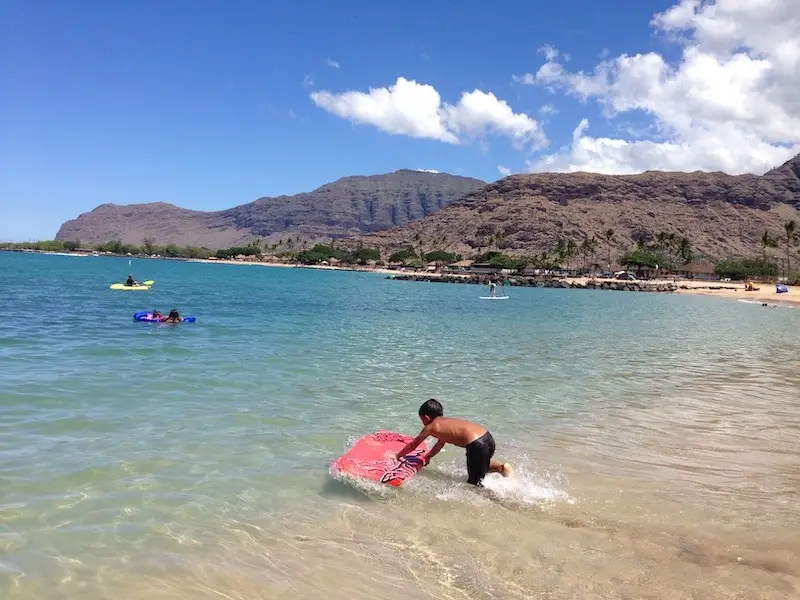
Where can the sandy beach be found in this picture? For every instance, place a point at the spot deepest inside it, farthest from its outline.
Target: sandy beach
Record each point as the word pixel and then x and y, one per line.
pixel 731 290
pixel 292 265
pixel 736 291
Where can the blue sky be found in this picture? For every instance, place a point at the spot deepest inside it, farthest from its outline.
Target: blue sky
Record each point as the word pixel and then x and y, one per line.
pixel 209 104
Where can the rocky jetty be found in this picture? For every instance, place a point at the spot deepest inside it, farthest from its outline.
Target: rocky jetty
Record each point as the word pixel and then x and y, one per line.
pixel 544 282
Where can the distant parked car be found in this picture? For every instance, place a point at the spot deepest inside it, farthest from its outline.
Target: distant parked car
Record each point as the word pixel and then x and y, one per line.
pixel 624 276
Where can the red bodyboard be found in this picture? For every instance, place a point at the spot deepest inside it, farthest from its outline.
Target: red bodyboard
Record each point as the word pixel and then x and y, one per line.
pixel 373 457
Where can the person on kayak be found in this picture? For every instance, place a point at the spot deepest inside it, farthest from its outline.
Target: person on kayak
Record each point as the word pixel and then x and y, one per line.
pixel 130 282
pixel 173 317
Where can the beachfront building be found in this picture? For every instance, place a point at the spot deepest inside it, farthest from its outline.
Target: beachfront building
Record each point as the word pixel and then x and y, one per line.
pixel 702 270
pixel 483 269
pixel 462 266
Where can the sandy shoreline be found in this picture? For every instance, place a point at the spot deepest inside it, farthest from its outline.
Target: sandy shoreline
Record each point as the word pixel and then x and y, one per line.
pixel 766 293
pixel 378 270
pixel 731 290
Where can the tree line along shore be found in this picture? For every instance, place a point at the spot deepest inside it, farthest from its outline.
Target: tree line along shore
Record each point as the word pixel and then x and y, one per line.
pixel 663 253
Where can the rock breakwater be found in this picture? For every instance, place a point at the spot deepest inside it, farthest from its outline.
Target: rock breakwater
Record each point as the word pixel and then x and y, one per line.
pixel 545 282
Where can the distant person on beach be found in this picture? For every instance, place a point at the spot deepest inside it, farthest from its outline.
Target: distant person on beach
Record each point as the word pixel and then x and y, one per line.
pixel 478 442
pixel 173 317
pixel 130 281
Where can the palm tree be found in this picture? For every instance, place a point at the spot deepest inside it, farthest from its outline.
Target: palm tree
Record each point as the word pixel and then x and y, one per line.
pixel 685 250
pixel 561 250
pixel 609 237
pixel 584 248
pixel 767 241
pixel 591 247
pixel 674 242
pixel 541 261
pixel 571 250
pixel 149 244
pixel 791 238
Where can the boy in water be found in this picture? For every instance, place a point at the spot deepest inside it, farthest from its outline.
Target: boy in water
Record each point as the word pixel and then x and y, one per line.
pixel 173 317
pixel 478 442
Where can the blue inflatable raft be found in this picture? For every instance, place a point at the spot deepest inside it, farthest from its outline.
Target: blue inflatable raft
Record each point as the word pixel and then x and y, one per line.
pixel 147 317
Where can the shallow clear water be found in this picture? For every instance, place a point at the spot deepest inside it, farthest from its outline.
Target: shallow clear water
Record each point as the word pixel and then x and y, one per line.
pixel 655 438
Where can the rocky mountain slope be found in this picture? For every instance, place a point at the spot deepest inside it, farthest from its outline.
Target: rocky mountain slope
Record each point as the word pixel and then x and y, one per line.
pixel 345 207
pixel 722 215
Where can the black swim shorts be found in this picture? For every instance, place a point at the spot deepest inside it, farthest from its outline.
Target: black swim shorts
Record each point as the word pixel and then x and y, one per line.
pixel 479 454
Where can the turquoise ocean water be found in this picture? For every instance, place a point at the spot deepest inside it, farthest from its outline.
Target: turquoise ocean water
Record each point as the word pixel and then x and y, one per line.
pixel 192 462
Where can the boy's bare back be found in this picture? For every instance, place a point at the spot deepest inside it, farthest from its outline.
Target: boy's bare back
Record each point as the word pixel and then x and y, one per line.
pixel 458 432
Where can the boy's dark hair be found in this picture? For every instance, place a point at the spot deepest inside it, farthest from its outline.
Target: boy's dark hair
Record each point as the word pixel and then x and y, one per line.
pixel 432 408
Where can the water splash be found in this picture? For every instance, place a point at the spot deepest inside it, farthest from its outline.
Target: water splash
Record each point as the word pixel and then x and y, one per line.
pixel 529 487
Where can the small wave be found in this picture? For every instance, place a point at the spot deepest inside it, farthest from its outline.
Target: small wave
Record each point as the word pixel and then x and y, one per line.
pixel 763 303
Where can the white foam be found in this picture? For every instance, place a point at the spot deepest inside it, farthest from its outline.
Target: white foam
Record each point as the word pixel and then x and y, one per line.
pixel 365 486
pixel 762 303
pixel 446 480
pixel 526 488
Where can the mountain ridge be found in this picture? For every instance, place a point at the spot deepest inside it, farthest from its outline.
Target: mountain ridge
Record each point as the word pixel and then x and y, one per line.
pixel 721 215
pixel 347 206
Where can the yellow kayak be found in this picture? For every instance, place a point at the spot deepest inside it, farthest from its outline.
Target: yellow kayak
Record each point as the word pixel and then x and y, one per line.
pixel 132 288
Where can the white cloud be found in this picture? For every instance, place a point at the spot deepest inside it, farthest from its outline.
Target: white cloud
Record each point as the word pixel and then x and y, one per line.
pixel 730 103
pixel 308 81
pixel 416 110
pixel 331 63
pixel 527 79
pixel 479 113
pixel 504 171
pixel 427 170
pixel 548 110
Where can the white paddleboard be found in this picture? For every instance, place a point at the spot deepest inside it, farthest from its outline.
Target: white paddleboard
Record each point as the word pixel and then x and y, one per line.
pixel 494 297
